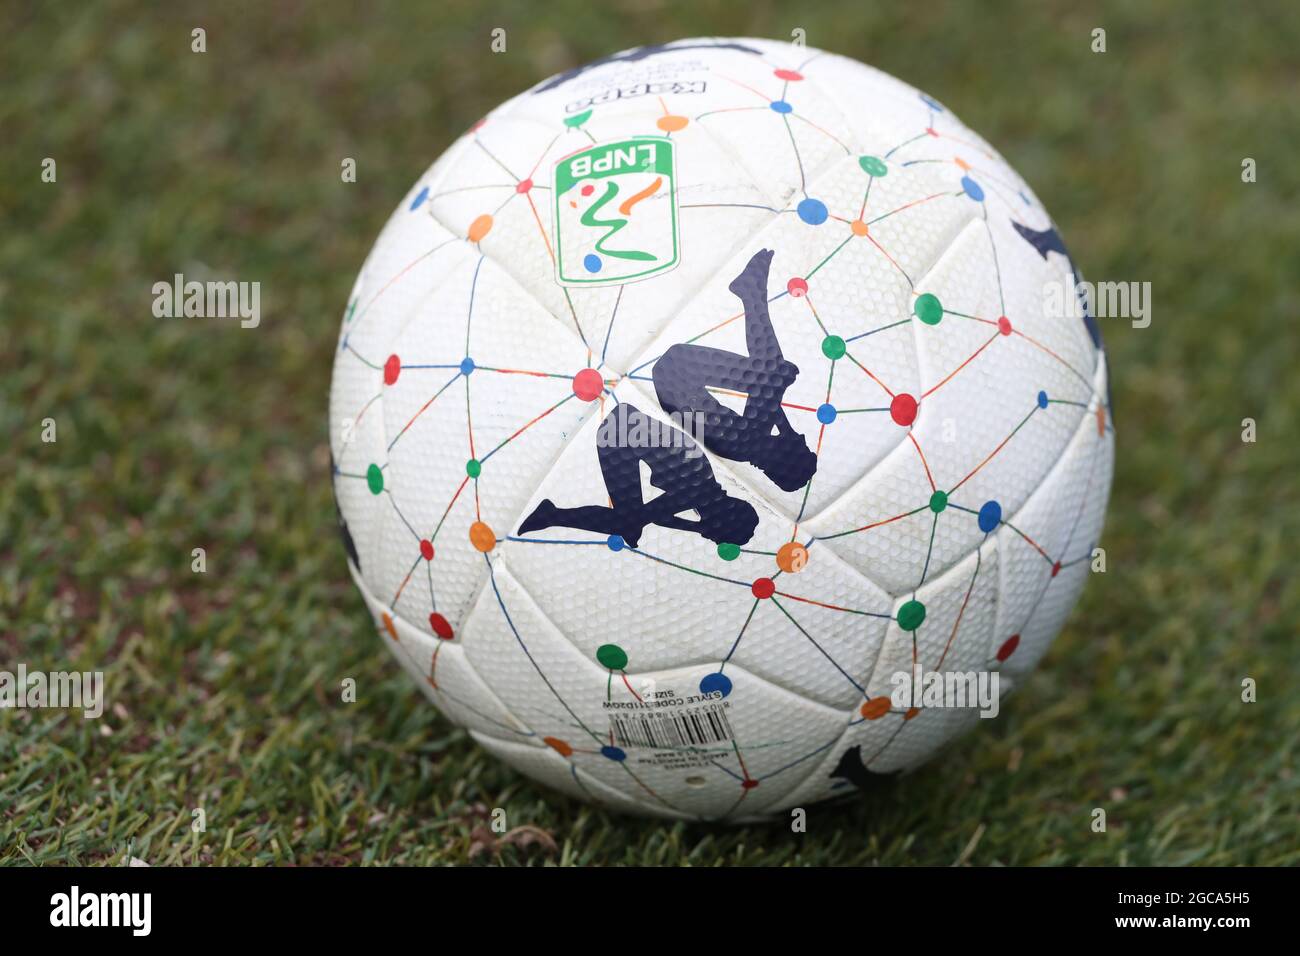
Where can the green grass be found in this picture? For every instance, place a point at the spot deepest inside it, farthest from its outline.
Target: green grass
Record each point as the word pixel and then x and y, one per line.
pixel 193 433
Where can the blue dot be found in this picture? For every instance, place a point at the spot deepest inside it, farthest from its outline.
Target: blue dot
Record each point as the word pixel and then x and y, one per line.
pixel 591 262
pixel 813 212
pixel 826 413
pixel 716 684
pixel 613 753
pixel 419 199
pixel 990 516
pixel 781 106
pixel 616 542
pixel 1042 399
pixel 932 103
pixel 466 365
pixel 972 189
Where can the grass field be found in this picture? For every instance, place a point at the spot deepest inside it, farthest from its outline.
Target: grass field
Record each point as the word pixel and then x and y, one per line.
pixel 179 434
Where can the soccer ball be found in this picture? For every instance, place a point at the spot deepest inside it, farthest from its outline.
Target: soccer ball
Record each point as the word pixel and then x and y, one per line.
pixel 716 427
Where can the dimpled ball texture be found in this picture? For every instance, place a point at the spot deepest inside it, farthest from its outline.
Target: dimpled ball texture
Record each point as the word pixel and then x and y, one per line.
pixel 695 395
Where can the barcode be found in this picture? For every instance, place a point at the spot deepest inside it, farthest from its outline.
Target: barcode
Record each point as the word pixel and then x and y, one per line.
pixel 690 728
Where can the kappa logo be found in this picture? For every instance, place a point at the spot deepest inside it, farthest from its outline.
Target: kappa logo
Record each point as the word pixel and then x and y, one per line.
pixel 616 212
pixel 693 499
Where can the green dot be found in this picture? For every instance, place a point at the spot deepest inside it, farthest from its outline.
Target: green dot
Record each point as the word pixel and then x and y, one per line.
pixel 928 309
pixel 872 166
pixel 573 122
pixel 833 347
pixel 728 552
pixel 938 501
pixel 611 656
pixel 375 479
pixel 473 468
pixel 910 615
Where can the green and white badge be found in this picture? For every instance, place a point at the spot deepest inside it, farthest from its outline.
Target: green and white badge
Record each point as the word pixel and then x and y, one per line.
pixel 616 212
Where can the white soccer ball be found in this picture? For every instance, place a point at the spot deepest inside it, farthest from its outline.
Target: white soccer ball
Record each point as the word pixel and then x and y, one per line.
pixel 716 426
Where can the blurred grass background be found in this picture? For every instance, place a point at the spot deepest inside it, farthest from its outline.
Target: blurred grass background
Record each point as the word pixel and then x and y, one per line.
pixel 176 434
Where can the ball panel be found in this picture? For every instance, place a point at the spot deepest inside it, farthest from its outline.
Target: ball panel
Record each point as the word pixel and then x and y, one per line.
pixel 960 610
pixel 1064 517
pixel 565 776
pixel 443 673
pixel 563 694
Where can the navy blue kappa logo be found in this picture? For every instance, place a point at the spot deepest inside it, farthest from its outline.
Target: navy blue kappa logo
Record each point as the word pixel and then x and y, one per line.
pixel 1047 241
pixel 760 435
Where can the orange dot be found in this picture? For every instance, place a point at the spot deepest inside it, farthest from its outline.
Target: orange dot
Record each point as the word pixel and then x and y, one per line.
pixel 911 712
pixel 558 745
pixel 1101 420
pixel 480 227
pixel 671 124
pixel 389 626
pixel 961 163
pixel 791 557
pixel 482 537
pixel 859 227
pixel 875 708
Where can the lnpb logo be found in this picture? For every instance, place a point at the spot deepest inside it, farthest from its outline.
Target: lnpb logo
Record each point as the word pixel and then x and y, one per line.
pixel 616 212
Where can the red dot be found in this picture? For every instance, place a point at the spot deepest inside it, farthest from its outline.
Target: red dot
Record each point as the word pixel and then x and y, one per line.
pixel 748 784
pixel 763 588
pixel 587 384
pixel 392 369
pixel 1008 647
pixel 903 409
pixel 930 130
pixel 792 75
pixel 587 189
pixel 440 626
pixel 797 287
pixel 426 549
pixel 478 126
pixel 1004 325
pixel 1056 569
pixel 523 185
